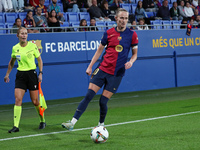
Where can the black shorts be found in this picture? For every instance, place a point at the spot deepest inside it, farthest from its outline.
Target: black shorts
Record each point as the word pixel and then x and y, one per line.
pixel 110 82
pixel 26 80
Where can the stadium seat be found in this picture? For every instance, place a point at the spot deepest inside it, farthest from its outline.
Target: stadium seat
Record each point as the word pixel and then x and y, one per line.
pixel 75 25
pixel 133 7
pixel 156 25
pixel 61 6
pixel 101 25
pixel 65 15
pixel 10 17
pixel 65 24
pixel 152 21
pixel 171 2
pixel 136 1
pixel 84 15
pixel 73 17
pixel 2 18
pixel 2 26
pixel 127 7
pixel 9 25
pixel 149 14
pixel 166 24
pixel 176 24
pixel 111 24
pixel 22 16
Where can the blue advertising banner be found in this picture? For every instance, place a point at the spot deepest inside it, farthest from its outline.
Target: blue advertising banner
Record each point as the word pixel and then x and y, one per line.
pixel 166 58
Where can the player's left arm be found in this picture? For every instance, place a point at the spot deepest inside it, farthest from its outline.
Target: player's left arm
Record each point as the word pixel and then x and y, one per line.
pixel 133 57
pixel 134 45
pixel 40 65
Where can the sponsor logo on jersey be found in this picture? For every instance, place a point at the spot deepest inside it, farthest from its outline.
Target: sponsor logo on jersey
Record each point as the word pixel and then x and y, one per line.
pixel 18 57
pixel 119 38
pixel 119 48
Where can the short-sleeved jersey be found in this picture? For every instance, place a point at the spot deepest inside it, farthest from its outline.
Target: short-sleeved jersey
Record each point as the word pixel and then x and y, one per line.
pixel 25 56
pixel 28 22
pixel 52 7
pixel 117 50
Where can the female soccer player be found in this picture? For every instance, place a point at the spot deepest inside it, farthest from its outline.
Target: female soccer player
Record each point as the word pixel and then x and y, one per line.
pixel 26 78
pixel 111 69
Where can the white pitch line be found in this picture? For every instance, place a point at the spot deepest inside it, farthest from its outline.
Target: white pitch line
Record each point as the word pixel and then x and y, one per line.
pixel 122 123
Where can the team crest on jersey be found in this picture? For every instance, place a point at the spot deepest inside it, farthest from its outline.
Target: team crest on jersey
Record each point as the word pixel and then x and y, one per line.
pixel 119 38
pixel 119 48
pixel 38 43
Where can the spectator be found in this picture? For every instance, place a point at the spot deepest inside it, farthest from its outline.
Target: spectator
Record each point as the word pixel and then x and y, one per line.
pixel 195 3
pixel 157 5
pixel 30 23
pixel 7 5
pixel 198 7
pixel 114 4
pixel 40 20
pixel 105 9
pixel 95 12
pixel 175 13
pixel 189 27
pixel 34 3
pixel 198 21
pixel 16 25
pixel 184 23
pixel 181 9
pixel 27 7
pixel 134 25
pixel 139 11
pixel 188 10
pixel 70 6
pixel 148 5
pixel 93 25
pixel 83 23
pixel 83 5
pixel 53 21
pixel 196 13
pixel 18 5
pixel 54 6
pixel 43 7
pixel 164 12
pixel 142 25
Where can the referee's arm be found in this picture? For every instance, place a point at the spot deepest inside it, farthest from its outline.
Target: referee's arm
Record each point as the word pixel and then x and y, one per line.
pixel 10 67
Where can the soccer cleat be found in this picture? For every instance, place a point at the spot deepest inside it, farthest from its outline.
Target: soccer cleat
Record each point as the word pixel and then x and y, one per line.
pixel 68 125
pixel 14 129
pixel 42 125
pixel 101 124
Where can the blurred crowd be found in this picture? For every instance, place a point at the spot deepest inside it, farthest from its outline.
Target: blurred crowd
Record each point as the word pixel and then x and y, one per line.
pixel 52 13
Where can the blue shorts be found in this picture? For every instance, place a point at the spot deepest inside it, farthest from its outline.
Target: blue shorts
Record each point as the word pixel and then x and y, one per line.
pixel 110 82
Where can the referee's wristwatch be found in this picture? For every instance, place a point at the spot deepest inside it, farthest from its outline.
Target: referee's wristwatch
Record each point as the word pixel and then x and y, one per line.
pixel 40 72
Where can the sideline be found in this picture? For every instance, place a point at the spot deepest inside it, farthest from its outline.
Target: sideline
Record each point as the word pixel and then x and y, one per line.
pixel 122 123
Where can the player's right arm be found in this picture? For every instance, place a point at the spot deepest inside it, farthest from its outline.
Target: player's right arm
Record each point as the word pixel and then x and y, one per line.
pixel 10 67
pixel 95 58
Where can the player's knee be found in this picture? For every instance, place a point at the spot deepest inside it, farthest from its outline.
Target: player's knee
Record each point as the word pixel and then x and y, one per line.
pixel 35 102
pixel 18 102
pixel 90 94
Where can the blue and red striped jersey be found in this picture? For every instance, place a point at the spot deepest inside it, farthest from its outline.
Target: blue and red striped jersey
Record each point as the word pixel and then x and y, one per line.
pixel 118 45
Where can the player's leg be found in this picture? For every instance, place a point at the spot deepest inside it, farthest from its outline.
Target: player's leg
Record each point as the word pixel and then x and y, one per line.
pixel 111 86
pixel 92 90
pixel 19 94
pixel 35 101
pixel 96 82
pixel 106 95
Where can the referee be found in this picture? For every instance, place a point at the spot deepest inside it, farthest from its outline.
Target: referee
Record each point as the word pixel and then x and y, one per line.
pixel 26 78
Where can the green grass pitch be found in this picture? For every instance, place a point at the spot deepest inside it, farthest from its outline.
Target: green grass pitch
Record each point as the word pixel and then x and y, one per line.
pixel 166 119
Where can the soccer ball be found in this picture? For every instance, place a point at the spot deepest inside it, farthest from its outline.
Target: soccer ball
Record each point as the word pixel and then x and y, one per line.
pixel 99 134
